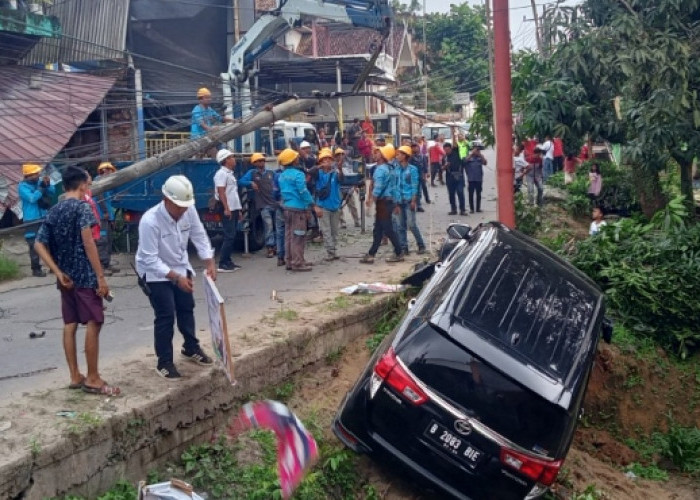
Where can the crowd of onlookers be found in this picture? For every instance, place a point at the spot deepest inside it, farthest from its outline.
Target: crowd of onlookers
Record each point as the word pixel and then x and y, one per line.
pixel 534 162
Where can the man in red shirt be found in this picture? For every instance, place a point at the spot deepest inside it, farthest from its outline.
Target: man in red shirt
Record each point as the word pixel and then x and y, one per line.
pixel 436 154
pixel 558 154
pixel 364 147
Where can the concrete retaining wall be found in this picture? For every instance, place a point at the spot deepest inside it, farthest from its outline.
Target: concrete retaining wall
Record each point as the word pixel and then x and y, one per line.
pixel 130 444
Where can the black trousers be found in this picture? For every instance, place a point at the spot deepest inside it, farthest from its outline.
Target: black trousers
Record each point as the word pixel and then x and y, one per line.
pixel 170 304
pixel 435 169
pixel 475 188
pixel 383 225
pixel 455 188
pixel 423 190
pixel 229 226
pixel 33 256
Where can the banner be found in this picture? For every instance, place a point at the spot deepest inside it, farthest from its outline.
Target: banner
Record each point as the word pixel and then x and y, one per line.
pixel 217 326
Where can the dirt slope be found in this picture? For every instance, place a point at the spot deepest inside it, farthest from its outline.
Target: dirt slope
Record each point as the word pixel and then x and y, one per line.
pixel 319 391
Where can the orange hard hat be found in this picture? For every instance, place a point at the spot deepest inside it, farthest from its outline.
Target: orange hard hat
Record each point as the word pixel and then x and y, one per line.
pixel 105 165
pixel 30 169
pixel 406 150
pixel 203 92
pixel 256 157
pixel 388 152
pixel 325 153
pixel 287 157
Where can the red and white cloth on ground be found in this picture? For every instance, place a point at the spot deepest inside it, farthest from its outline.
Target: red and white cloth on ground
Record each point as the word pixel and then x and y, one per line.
pixel 296 448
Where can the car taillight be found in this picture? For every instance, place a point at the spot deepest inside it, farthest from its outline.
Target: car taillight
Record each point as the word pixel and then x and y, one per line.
pixel 391 372
pixel 543 471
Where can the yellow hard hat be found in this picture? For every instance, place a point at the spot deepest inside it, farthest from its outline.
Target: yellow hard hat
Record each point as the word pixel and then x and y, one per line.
pixel 406 150
pixel 338 151
pixel 256 157
pixel 325 153
pixel 105 165
pixel 30 169
pixel 287 157
pixel 203 92
pixel 388 152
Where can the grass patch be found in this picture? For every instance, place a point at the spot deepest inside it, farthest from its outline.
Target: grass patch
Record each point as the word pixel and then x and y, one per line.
pixel 286 314
pixel 652 472
pixel 340 302
pixel 83 421
pixel 9 269
pixel 680 446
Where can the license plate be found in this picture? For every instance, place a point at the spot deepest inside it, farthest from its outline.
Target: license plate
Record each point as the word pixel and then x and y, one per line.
pixel 212 225
pixel 453 444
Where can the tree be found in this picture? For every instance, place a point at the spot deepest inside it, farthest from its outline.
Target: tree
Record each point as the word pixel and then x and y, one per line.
pixel 456 52
pixel 644 56
pixel 625 71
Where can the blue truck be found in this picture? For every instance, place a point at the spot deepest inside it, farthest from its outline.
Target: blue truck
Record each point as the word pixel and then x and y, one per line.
pixel 137 196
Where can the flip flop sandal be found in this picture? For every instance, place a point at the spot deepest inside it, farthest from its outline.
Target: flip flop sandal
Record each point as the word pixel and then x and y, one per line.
pixel 104 390
pixel 79 385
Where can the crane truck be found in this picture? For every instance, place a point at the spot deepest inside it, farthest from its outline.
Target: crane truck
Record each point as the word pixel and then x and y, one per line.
pixel 137 196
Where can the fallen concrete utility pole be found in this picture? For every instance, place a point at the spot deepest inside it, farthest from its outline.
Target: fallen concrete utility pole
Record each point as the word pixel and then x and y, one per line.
pixel 184 151
pixel 222 134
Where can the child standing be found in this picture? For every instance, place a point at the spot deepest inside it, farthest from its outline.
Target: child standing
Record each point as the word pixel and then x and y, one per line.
pixel 595 182
pixel 597 222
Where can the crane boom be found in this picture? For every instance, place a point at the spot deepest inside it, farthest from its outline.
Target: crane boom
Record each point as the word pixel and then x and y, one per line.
pixel 262 36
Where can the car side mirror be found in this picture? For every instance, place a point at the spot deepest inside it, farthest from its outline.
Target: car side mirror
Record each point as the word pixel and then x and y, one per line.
pixel 458 231
pixel 607 329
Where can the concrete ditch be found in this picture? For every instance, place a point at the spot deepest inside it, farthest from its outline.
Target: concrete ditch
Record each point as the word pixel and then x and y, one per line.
pixel 145 434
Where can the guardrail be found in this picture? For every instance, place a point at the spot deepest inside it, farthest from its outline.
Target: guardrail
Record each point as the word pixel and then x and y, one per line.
pixel 159 142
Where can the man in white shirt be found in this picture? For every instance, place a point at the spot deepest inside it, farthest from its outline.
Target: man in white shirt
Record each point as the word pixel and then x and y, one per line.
pixel 163 264
pixel 226 191
pixel 548 165
pixel 519 167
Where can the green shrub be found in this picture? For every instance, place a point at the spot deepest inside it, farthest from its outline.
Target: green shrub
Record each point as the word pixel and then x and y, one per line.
pixel 682 446
pixel 527 217
pixel 650 273
pixel 8 269
pixel 618 194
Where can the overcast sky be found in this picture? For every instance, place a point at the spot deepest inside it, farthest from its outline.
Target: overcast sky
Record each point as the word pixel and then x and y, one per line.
pixel 522 32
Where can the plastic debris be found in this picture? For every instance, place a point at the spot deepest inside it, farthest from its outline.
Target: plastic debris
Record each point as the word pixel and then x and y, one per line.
pixel 175 489
pixel 5 425
pixel 630 475
pixel 66 414
pixel 35 335
pixel 373 288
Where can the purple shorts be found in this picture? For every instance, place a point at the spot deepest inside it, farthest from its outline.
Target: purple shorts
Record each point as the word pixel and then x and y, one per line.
pixel 81 305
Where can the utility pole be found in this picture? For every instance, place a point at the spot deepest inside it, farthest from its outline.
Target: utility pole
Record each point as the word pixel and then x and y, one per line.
pixel 425 66
pixel 503 120
pixel 489 43
pixel 538 34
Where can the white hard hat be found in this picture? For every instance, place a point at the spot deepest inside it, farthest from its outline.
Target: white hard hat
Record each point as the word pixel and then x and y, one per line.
pixel 304 144
pixel 178 189
pixel 222 155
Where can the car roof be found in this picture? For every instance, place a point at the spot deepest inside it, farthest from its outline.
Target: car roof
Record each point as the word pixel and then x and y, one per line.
pixel 518 300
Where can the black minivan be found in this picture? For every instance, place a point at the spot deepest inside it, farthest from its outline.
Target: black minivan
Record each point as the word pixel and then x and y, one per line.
pixel 479 389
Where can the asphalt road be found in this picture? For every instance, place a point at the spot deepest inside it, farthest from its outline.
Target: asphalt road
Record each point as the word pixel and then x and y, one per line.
pixel 33 304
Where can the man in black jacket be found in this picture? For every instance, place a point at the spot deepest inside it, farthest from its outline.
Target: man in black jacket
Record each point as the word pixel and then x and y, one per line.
pixel 454 172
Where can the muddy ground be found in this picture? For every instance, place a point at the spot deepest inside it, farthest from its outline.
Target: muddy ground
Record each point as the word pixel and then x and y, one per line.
pixel 595 459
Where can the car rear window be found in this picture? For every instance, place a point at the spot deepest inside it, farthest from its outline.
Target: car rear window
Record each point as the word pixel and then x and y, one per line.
pixel 485 393
pixel 530 308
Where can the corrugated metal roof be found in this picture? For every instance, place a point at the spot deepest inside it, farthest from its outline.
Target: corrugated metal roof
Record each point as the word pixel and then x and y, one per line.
pixel 39 112
pixel 92 31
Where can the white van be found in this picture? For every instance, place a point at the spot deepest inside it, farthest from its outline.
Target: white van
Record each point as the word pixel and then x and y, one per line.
pixel 283 131
pixel 430 130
